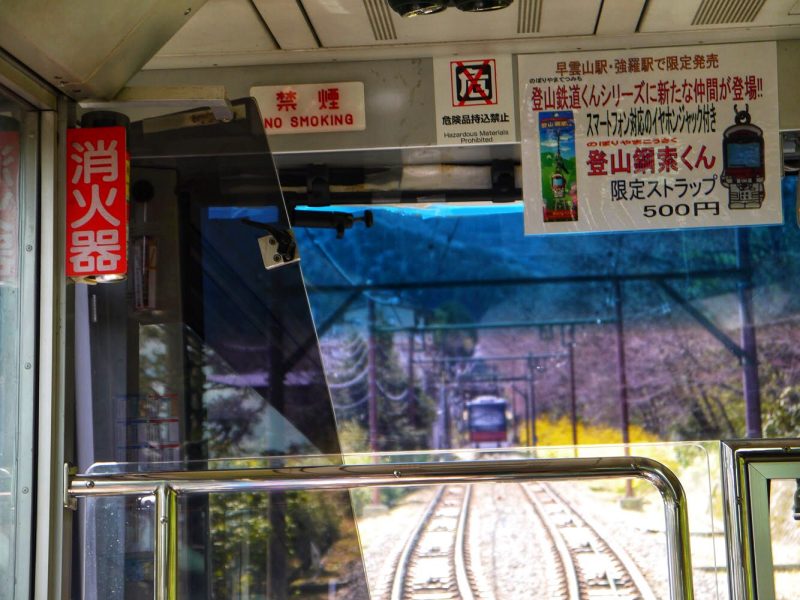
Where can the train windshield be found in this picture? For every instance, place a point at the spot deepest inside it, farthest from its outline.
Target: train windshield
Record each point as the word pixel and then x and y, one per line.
pixel 744 155
pixel 487 418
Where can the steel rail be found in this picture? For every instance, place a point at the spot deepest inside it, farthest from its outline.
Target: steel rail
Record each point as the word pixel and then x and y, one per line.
pixel 619 551
pixel 398 583
pixel 167 484
pixel 459 550
pixel 570 569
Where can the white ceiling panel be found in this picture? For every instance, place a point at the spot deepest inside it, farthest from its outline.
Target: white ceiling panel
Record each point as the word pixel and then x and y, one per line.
pixel 682 15
pixel 342 23
pixel 569 17
pixel 221 27
pixel 228 33
pixel 619 17
pixel 92 47
pixel 287 23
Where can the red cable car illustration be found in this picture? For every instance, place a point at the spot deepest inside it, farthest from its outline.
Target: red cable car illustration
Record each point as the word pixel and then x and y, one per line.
pixel 743 162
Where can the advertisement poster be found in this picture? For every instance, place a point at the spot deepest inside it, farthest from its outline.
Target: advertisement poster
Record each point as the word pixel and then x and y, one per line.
pixel 659 138
pixel 474 100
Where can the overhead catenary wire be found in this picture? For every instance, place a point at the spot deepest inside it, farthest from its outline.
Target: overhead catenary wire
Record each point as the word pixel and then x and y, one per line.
pixel 351 405
pixel 346 384
pixel 343 371
pixel 393 397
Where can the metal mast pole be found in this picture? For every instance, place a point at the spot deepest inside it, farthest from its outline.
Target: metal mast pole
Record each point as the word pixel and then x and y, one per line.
pixel 750 383
pixel 623 379
pixel 372 378
pixel 412 401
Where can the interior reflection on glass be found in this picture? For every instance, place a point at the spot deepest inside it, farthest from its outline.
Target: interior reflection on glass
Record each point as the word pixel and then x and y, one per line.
pixel 10 163
pixel 203 354
pixel 785 536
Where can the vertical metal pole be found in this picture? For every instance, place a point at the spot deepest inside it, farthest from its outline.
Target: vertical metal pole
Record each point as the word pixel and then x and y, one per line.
pixel 448 441
pixel 527 411
pixel 752 397
pixel 623 378
pixel 277 548
pixel 166 568
pixel 621 369
pixel 532 441
pixel 573 402
pixel 372 380
pixel 412 401
pixel 372 387
pixel 440 420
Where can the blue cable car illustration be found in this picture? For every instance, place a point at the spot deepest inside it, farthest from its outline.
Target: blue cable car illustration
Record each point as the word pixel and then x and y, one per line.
pixel 743 162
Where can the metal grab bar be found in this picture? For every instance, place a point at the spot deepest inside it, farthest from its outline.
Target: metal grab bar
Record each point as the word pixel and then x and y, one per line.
pixel 167 485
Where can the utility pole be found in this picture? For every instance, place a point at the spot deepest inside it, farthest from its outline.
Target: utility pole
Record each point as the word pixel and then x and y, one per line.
pixel 372 380
pixel 412 401
pixel 623 379
pixel 372 387
pixel 441 419
pixel 573 403
pixel 530 409
pixel 750 383
pixel 277 552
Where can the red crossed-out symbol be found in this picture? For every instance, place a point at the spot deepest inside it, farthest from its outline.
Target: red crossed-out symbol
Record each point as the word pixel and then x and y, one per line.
pixel 473 72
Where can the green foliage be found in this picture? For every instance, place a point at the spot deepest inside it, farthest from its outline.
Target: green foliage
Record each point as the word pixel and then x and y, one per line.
pixel 783 415
pixel 310 523
pixel 454 343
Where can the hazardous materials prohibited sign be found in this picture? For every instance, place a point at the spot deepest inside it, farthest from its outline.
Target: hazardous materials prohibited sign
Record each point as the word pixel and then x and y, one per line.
pixel 474 100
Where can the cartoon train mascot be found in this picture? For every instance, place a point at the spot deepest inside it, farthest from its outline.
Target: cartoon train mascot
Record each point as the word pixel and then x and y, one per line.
pixel 743 162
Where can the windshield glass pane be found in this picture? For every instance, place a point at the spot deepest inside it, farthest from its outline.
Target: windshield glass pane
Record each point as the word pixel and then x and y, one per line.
pixel 604 338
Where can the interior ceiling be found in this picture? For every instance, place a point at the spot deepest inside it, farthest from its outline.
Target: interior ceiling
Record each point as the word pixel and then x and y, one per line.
pixel 248 32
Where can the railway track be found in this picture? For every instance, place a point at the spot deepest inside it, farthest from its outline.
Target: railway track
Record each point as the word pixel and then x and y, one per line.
pixel 591 565
pixel 433 564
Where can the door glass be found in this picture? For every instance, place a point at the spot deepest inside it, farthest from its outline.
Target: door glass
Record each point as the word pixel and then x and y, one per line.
pixel 204 354
pixel 15 380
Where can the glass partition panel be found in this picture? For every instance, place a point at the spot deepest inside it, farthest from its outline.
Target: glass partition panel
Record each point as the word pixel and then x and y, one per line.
pixel 18 151
pixel 516 537
pixel 202 353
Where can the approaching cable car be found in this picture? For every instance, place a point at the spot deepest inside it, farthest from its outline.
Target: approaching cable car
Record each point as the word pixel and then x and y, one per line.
pixel 743 160
pixel 487 421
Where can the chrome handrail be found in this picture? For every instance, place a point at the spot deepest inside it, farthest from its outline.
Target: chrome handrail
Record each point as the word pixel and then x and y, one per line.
pixel 167 485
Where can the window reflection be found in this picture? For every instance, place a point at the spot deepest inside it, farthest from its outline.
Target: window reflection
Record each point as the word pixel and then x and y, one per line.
pixel 203 354
pixel 10 163
pixel 785 536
